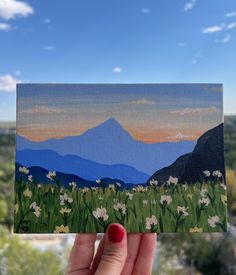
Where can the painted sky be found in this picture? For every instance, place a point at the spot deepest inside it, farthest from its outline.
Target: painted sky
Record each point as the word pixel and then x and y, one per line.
pixel 107 41
pixel 150 113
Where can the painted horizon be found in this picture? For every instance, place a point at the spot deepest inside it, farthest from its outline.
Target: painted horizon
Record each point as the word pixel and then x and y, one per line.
pixel 120 145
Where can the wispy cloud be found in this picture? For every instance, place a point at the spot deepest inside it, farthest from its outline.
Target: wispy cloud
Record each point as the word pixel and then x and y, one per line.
pixel 43 110
pixel 49 48
pixel 5 27
pixel 145 10
pixel 117 70
pixel 226 39
pixel 10 9
pixel 212 29
pixel 231 14
pixel 140 101
pixel 8 83
pixel 219 28
pixel 47 20
pixel 179 136
pixel 190 5
pixel 195 111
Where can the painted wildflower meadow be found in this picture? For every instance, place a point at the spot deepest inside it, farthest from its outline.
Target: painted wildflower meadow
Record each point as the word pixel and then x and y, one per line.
pixel 147 156
pixel 170 208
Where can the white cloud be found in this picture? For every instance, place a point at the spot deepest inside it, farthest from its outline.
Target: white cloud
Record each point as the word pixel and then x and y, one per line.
pixel 231 26
pixel 8 83
pixel 140 101
pixel 179 136
pixel 48 48
pixel 145 10
pixel 195 111
pixel 117 70
pixel 226 39
pixel 231 14
pixel 10 9
pixel 190 5
pixel 5 27
pixel 219 28
pixel 43 110
pixel 212 29
pixel 47 20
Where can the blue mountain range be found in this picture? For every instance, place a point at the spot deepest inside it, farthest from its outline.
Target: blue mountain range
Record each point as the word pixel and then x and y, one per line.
pixel 110 144
pixel 78 166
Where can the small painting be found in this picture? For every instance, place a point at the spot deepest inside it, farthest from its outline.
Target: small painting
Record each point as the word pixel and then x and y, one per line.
pixel 148 156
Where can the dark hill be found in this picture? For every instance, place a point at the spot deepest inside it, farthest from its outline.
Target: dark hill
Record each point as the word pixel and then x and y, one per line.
pixel 207 155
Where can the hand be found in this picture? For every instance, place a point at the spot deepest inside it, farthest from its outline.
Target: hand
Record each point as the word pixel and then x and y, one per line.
pixel 117 253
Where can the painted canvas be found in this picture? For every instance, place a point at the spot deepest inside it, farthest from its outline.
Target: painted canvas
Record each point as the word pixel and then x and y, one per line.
pixel 149 156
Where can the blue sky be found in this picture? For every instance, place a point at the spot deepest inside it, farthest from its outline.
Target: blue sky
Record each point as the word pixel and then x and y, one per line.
pixel 110 41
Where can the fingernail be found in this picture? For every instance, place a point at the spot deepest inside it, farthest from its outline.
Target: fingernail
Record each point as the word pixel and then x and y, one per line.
pixel 115 233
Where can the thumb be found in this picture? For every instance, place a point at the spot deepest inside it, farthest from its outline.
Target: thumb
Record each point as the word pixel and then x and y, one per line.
pixel 115 251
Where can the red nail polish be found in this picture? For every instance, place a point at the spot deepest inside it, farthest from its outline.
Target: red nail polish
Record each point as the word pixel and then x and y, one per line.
pixel 115 233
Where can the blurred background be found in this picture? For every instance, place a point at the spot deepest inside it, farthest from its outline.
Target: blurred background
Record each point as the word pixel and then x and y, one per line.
pixel 160 41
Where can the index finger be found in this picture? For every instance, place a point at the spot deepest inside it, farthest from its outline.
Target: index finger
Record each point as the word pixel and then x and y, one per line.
pixel 81 255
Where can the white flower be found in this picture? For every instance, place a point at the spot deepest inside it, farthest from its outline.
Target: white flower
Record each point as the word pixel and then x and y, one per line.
pixel 223 186
pixel 23 170
pixel 204 201
pixel 98 181
pixel 182 210
pixel 120 207
pixel 203 192
pixel 153 182
pixel 217 174
pixel 65 210
pixel 145 202
pixel 150 222
pixel 94 188
pixel 39 185
pixel 140 189
pixel 85 190
pixel 213 221
pixel 111 187
pixel 35 209
pixel 172 180
pixel 207 173
pixel 30 178
pixel 118 184
pixel 129 195
pixel 51 175
pixel 100 198
pixel 73 185
pixel 185 186
pixel 101 214
pixel 154 202
pixel 165 199
pixel 65 198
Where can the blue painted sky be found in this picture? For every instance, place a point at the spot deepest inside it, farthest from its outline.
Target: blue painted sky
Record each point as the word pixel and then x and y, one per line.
pixel 150 113
pixel 117 42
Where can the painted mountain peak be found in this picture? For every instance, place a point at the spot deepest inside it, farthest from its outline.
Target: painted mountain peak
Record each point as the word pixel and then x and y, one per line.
pixel 116 146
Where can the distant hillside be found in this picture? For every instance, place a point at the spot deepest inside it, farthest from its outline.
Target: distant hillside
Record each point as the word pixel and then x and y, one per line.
pixel 76 165
pixel 230 142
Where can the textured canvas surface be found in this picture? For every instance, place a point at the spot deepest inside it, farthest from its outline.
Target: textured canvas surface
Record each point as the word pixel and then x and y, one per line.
pixel 149 156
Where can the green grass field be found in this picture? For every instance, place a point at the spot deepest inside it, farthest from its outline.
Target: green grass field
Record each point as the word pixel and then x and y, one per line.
pixel 178 208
